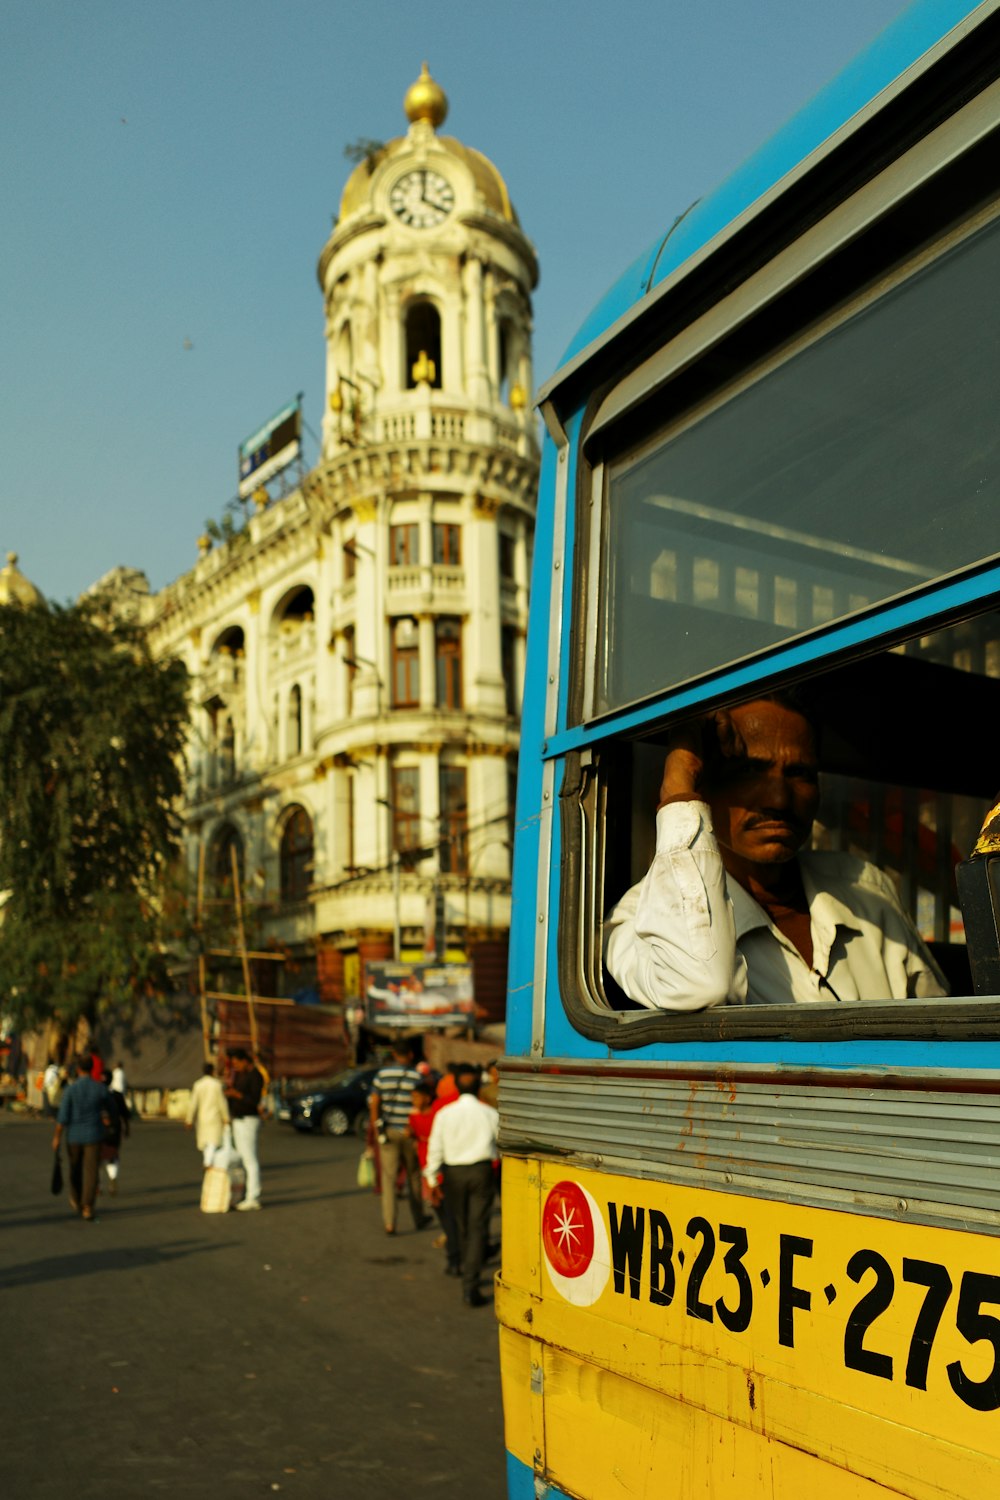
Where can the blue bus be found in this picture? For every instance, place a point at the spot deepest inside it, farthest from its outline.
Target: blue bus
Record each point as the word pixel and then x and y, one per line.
pixel 752 1173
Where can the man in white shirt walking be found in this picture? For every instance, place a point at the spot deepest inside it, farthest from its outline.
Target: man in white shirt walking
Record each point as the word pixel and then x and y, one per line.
pixel 463 1142
pixel 208 1110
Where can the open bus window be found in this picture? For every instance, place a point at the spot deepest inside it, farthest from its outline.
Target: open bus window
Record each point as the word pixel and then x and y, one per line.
pixel 908 768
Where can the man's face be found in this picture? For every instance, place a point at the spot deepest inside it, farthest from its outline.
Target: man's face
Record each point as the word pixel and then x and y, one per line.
pixel 763 788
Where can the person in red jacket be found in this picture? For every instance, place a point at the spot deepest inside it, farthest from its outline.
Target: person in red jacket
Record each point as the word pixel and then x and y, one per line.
pixel 425 1107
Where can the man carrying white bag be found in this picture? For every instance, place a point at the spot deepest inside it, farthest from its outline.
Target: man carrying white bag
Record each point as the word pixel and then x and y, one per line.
pixel 224 1182
pixel 208 1112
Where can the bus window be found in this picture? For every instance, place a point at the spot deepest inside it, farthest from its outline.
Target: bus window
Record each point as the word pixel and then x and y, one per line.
pixel 902 791
pixel 775 508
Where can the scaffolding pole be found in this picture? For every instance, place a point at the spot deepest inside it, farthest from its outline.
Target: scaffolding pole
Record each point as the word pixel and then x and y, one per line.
pixel 243 953
pixel 206 1039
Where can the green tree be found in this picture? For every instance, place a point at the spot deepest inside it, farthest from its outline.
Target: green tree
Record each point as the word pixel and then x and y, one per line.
pixel 91 736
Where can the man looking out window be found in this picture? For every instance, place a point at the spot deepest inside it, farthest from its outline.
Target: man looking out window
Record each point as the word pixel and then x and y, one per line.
pixel 734 909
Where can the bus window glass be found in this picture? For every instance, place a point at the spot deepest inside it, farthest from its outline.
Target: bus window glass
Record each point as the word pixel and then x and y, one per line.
pixel 779 511
pixel 905 781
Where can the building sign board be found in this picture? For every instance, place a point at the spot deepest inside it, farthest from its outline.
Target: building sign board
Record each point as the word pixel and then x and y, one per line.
pixel 425 995
pixel 271 448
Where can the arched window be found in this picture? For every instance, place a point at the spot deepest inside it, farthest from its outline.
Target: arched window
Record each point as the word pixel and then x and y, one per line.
pixel 454 803
pixel 296 855
pixel 231 642
pixel 423 345
pixel 405 663
pixel 295 610
pixel 220 861
pixel 294 722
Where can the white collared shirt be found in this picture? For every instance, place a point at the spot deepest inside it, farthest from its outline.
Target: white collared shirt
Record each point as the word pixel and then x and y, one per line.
pixel 687 937
pixel 463 1132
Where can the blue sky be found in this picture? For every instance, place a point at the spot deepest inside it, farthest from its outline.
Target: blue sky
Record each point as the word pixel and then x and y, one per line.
pixel 170 172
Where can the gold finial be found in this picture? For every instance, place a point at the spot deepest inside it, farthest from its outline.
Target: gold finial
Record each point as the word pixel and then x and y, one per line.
pixel 204 543
pixel 336 399
pixel 426 100
pixel 260 497
pixel 518 397
pixel 14 587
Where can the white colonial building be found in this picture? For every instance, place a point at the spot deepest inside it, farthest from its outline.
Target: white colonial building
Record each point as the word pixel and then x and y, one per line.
pixel 357 649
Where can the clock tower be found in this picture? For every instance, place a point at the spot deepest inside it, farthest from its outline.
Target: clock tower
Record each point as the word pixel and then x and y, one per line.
pixel 427 279
pixel 424 501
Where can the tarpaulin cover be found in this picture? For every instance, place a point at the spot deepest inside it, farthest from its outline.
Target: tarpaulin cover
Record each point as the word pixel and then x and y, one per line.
pixel 294 1041
pixel 159 1045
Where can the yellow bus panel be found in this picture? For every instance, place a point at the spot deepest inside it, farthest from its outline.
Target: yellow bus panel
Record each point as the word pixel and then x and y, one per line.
pixel 712 1343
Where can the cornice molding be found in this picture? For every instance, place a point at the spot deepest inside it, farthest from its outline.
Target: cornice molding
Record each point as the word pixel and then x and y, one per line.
pixel 508 234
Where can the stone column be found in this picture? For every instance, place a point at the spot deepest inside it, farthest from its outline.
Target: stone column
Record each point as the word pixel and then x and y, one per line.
pixel 369 615
pixel 482 635
pixel 390 343
pixel 425 541
pixel 428 675
pixel 321 696
pixel 479 380
pixel 368 320
pixel 255 685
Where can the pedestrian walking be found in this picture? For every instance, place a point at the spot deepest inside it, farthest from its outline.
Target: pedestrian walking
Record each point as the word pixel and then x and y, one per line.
pixel 463 1146
pixel 208 1114
pixel 389 1104
pixel 244 1097
pixel 425 1107
pixel 120 1126
pixel 52 1089
pixel 85 1115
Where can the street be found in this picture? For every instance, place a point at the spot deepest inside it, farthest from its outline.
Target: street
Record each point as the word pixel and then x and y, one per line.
pixel 297 1350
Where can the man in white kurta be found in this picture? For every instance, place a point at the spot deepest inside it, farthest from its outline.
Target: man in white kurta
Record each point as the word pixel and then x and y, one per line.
pixel 732 909
pixel 208 1112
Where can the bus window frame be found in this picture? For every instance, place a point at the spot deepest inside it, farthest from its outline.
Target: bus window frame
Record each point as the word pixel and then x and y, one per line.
pixel 614 429
pixel 582 804
pixel 619 408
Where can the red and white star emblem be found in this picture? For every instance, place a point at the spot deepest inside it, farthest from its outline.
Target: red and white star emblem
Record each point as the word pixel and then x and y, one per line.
pixel 575 1243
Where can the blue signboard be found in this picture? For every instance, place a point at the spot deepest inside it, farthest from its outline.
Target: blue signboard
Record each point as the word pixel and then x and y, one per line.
pixel 271 447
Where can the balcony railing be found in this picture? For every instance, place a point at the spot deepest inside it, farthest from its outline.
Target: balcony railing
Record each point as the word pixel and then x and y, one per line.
pixel 442 582
pixel 222 678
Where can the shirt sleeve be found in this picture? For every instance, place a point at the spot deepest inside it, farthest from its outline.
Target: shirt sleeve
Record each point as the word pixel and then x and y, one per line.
pixel 435 1151
pixel 670 943
pixel 254 1089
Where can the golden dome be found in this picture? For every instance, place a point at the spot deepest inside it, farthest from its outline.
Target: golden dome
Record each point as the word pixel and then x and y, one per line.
pixel 14 587
pixel 487 179
pixel 356 188
pixel 426 100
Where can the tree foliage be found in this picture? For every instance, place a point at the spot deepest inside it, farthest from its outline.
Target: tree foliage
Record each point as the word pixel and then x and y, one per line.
pixel 91 736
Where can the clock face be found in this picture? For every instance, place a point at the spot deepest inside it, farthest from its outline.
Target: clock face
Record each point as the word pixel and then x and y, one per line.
pixel 422 198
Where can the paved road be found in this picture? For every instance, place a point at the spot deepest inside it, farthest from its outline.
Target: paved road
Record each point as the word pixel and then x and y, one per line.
pixel 296 1351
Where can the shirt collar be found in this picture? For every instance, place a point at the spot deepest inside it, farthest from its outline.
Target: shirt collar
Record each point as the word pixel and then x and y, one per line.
pixel 826 911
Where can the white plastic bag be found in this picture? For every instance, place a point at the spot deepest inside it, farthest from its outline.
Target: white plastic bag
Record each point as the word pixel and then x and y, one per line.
pixel 226 1154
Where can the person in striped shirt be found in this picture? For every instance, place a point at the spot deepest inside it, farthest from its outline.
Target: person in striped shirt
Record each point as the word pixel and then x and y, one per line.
pixel 389 1105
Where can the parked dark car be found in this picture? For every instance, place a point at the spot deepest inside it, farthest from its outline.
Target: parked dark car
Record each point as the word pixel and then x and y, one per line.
pixel 335 1107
